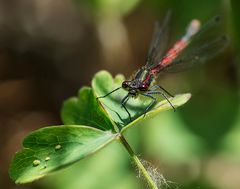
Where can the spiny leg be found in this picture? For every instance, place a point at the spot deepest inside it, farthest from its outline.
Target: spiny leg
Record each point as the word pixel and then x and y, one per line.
pixel 123 102
pixel 150 105
pixel 160 87
pixel 161 93
pixel 109 93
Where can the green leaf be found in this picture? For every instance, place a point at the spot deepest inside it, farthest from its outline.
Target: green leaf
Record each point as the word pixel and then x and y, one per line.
pixel 85 110
pixel 103 83
pixel 49 149
pixel 161 106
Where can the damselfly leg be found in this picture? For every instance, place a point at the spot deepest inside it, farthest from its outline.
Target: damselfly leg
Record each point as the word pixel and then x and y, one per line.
pixel 123 103
pixel 154 99
pixel 109 93
pixel 151 103
pixel 153 90
pixel 164 96
pixel 154 87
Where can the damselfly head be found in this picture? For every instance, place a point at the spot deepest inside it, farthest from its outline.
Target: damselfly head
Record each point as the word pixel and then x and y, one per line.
pixel 133 84
pixel 134 87
pixel 126 84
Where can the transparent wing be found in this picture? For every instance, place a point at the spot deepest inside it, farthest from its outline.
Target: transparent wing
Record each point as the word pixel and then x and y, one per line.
pixel 206 44
pixel 159 41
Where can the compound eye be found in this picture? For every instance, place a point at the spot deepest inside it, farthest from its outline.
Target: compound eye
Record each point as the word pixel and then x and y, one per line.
pixel 143 87
pixel 125 84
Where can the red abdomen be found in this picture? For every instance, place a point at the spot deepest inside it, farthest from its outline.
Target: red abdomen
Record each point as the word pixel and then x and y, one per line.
pixel 170 56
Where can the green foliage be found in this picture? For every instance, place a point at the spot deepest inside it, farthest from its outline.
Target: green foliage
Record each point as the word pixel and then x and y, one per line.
pixel 107 169
pixel 90 125
pixel 52 148
pixel 103 83
pixel 74 111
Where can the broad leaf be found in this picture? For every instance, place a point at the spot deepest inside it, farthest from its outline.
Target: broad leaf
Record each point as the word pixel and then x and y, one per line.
pixel 85 110
pixel 103 83
pixel 49 149
pixel 161 106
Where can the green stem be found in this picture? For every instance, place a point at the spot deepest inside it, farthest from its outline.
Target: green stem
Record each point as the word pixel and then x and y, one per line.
pixel 139 164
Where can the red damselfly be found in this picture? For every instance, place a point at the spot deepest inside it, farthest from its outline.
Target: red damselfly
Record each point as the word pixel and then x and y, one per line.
pixel 196 46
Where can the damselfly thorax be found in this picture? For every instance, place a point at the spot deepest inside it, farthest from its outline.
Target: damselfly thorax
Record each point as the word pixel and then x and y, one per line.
pixel 140 83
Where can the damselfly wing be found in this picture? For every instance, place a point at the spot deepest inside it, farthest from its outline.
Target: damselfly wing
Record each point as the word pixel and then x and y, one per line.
pixel 206 44
pixel 197 46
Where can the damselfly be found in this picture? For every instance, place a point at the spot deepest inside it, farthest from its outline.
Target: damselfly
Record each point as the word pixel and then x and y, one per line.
pixel 196 46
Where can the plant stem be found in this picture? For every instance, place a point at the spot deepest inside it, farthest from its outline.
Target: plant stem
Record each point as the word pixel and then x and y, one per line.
pixel 139 164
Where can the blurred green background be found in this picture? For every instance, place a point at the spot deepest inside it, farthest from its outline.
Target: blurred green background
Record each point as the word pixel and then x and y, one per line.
pixel 49 49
